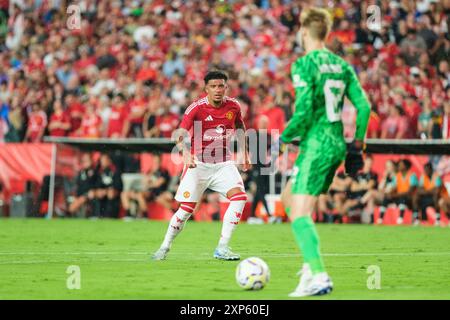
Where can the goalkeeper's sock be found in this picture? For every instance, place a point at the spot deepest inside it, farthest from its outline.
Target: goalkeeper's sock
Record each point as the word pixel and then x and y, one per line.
pixel 177 222
pixel 232 217
pixel 308 241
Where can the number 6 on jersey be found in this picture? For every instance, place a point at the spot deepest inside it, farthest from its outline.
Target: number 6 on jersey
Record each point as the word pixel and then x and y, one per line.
pixel 333 99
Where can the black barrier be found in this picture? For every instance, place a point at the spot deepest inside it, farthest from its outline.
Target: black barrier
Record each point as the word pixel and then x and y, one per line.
pixel 164 145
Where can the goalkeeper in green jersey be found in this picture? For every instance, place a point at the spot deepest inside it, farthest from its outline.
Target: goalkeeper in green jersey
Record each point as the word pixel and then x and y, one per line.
pixel 321 80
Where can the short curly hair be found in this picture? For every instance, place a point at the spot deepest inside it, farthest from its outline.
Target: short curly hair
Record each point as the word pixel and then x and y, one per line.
pixel 215 74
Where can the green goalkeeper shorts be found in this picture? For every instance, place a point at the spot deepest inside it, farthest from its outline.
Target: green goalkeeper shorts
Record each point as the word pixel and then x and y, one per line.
pixel 316 166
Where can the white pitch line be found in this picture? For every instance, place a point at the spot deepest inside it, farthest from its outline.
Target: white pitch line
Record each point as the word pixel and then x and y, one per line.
pixel 65 261
pixel 271 255
pixel 198 257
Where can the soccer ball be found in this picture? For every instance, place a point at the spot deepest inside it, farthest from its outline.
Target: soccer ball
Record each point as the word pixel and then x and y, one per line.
pixel 252 274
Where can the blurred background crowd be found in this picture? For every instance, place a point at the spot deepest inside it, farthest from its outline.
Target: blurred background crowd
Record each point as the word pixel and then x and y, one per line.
pixel 133 66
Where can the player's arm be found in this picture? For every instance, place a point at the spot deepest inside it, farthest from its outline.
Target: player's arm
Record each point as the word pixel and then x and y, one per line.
pixel 357 96
pixel 303 81
pixel 183 138
pixel 242 141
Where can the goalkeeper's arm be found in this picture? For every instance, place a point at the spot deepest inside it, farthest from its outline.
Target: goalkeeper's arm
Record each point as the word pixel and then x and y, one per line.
pixel 357 96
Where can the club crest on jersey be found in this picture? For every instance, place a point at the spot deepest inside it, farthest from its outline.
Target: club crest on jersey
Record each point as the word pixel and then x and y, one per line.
pixel 229 115
pixel 186 194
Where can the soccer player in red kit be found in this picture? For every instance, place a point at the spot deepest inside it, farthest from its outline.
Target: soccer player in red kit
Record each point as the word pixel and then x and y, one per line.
pixel 208 162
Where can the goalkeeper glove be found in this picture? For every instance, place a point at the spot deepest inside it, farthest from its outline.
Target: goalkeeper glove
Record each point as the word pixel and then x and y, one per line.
pixel 354 160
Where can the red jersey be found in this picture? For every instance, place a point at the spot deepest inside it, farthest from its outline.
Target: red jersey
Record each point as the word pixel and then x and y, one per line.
pixel 166 124
pixel 117 118
pixel 137 106
pixel 76 112
pixel 211 143
pixel 91 126
pixel 36 124
pixel 276 119
pixel 62 117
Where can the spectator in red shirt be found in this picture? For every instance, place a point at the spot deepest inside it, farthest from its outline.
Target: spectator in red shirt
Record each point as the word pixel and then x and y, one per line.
pixel 37 122
pixel 395 125
pixel 117 117
pixel 75 111
pixel 149 127
pixel 275 115
pixel 146 72
pixel 374 126
pixel 91 125
pixel 166 122
pixel 59 121
pixel 137 108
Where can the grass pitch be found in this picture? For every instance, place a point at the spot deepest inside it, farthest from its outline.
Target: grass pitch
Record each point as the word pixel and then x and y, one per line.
pixel 114 260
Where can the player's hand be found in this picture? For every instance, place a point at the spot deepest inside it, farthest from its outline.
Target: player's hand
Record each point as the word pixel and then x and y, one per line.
pixel 189 160
pixel 247 165
pixel 279 148
pixel 354 160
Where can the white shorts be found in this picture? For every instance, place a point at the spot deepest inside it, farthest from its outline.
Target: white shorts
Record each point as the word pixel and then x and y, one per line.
pixel 219 177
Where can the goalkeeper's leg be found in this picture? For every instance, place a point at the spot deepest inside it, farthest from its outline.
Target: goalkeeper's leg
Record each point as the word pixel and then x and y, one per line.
pixel 315 171
pixel 286 196
pixel 314 280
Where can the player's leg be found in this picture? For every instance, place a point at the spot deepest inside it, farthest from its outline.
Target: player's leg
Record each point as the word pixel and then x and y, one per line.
pixel 99 204
pixel 322 207
pixel 387 200
pixel 286 197
pixel 368 200
pixel 188 194
pixel 315 174
pixel 444 206
pixel 77 203
pixel 112 202
pixel 125 198
pixel 435 205
pixel 142 204
pixel 413 204
pixel 165 199
pixel 228 181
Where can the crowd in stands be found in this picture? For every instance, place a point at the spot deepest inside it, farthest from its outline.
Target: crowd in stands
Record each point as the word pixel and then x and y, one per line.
pixel 356 198
pixel 130 67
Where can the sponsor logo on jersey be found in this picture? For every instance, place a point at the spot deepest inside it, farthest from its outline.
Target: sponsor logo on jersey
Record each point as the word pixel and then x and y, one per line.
pixel 297 82
pixel 209 118
pixel 220 129
pixel 330 68
pixel 217 133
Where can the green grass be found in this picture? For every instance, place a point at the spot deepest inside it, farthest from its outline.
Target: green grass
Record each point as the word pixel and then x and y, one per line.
pixel 113 257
